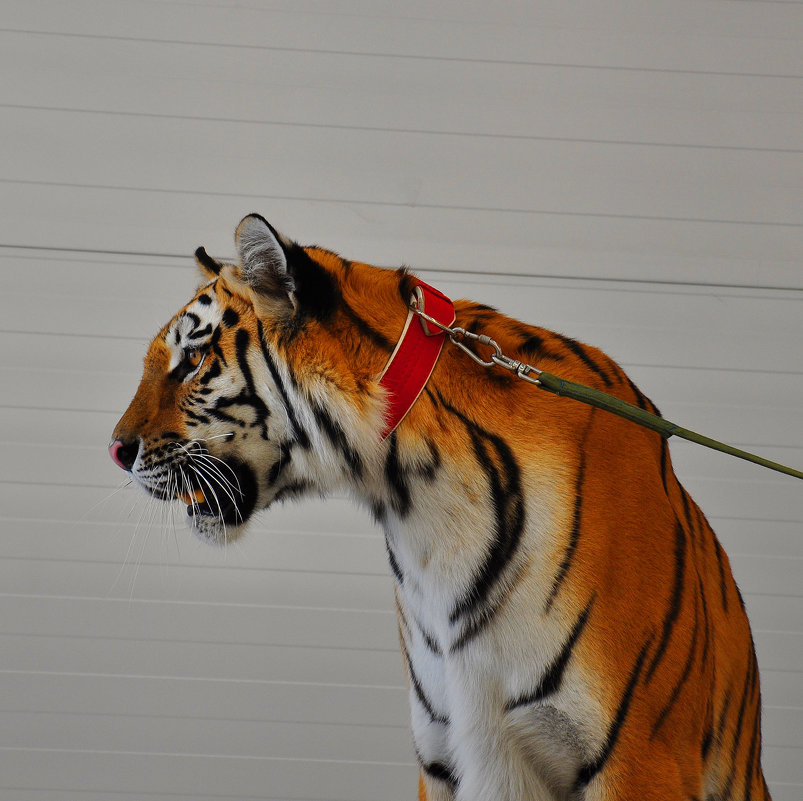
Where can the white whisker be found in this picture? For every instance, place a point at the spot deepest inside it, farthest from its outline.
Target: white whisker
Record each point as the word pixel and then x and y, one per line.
pixel 212 472
pixel 212 491
pixel 209 439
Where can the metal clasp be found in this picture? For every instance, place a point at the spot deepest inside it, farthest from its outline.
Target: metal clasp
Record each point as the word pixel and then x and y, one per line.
pixel 457 334
pixel 417 305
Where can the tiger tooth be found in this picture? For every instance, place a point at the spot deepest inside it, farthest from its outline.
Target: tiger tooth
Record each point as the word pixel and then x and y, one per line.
pixel 191 499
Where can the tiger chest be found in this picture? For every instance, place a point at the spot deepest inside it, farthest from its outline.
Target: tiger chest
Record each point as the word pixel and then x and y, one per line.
pixel 467 730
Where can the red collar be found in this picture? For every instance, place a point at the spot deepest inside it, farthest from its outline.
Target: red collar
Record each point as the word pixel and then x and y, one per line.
pixel 413 360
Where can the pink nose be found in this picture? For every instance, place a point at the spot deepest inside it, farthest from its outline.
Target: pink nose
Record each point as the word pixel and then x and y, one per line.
pixel 124 454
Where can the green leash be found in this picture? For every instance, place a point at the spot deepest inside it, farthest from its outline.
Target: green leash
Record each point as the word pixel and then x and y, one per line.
pixel 593 397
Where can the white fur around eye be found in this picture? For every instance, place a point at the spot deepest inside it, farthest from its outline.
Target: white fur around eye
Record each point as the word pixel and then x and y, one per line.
pixel 176 338
pixel 194 319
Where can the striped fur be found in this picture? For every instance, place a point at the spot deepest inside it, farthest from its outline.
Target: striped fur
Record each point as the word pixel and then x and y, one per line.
pixel 569 623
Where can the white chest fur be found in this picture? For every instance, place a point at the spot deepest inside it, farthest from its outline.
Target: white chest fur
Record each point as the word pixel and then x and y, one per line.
pixel 467 670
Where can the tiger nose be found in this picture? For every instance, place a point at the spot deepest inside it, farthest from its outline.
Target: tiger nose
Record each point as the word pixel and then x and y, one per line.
pixel 124 454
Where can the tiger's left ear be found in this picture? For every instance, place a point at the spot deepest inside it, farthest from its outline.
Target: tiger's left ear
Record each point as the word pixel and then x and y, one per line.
pixel 209 268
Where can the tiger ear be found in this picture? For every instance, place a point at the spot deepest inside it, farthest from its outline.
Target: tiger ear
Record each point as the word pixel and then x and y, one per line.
pixel 210 269
pixel 263 263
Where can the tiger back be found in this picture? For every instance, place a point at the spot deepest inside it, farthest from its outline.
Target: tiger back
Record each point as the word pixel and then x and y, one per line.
pixel 569 623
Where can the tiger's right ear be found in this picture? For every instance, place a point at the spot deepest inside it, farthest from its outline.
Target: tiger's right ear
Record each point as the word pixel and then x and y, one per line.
pixel 264 267
pixel 209 268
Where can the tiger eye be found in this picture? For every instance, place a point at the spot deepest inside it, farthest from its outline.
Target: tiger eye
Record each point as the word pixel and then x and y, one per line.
pixel 194 357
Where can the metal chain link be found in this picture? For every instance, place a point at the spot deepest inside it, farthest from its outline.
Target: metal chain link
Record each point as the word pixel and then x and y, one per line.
pixel 457 334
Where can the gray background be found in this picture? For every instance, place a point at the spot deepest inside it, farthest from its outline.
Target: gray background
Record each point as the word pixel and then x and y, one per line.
pixel 627 172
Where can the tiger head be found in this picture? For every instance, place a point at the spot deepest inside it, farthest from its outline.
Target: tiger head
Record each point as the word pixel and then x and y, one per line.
pixel 264 386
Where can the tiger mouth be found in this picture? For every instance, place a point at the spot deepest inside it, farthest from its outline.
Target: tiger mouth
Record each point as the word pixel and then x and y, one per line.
pixel 229 495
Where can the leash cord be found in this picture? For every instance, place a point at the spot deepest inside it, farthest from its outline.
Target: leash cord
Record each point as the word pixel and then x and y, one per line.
pixel 589 395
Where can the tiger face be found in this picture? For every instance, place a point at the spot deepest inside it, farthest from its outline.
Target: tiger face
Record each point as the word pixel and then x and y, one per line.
pixel 221 421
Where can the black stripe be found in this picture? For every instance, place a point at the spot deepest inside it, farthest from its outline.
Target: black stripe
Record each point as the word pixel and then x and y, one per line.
pixel 574 537
pixel 706 746
pixel 702 528
pixel 317 290
pixel 214 344
pixel 299 433
pixel 533 345
pixel 640 399
pixel 684 496
pixel 397 481
pixel 553 676
pixel 579 350
pixel 394 565
pixel 378 512
pixel 337 437
pixel 429 640
pixel 708 738
pixel 651 407
pixel 748 682
pixel 204 299
pixel 292 489
pixel 366 330
pixel 755 747
pixel 508 501
pixel 723 715
pixel 480 620
pixel 739 596
pixel 422 698
pixel 201 418
pixel 281 463
pixel 675 599
pixel 664 464
pixel 213 372
pixel 756 690
pixel 200 333
pixel 673 696
pixel 433 399
pixel 230 318
pixel 439 771
pixel 588 771
pixel 428 471
pixel 404 627
pixel 242 340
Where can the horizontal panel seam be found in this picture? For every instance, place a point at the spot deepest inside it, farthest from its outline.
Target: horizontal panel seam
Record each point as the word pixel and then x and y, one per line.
pixel 401 204
pixel 401 56
pixel 397 130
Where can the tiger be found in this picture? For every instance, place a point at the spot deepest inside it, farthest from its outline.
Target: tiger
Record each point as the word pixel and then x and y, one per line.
pixel 569 624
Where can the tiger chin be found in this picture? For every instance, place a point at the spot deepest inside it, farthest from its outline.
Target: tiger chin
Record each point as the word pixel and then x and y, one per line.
pixel 570 626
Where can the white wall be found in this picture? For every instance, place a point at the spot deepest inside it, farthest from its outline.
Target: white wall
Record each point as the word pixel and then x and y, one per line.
pixel 627 172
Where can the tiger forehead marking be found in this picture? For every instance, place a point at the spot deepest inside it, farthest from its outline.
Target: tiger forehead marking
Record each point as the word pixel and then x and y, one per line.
pixel 193 327
pixel 569 623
